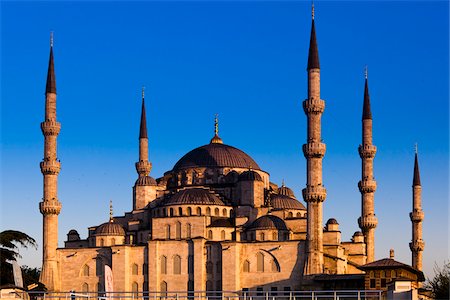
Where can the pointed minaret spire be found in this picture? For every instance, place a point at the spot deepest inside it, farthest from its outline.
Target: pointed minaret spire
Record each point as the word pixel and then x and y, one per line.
pixel 417 244
pixel 51 79
pixel 367 113
pixel 143 128
pixel 313 57
pixel 416 179
pixel 216 139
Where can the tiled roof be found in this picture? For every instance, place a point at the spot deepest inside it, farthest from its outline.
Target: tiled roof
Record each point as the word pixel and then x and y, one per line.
pixel 389 263
pixel 194 196
pixel 285 202
pixel 216 155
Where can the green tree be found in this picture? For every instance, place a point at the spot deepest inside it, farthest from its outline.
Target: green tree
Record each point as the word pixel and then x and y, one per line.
pixel 439 285
pixel 9 250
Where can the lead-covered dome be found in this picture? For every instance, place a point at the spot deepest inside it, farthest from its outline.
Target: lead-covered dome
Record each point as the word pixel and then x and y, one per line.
pixel 278 201
pixel 215 155
pixel 268 222
pixel 110 228
pixel 194 196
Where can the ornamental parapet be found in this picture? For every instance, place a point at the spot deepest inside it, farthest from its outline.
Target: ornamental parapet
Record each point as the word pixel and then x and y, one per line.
pixel 367 151
pixel 50 207
pixel 417 245
pixel 313 149
pixel 143 167
pixel 314 194
pixel 314 106
pixel 367 222
pixel 367 186
pixel 50 127
pixel 50 167
pixel 417 216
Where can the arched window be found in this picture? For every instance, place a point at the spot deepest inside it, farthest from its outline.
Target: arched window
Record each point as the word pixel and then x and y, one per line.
pixel 176 264
pixel 134 269
pixel 85 270
pixel 224 212
pixel 85 287
pixel 260 262
pixel 216 211
pixel 188 230
pixel 135 289
pixel 102 243
pixel 209 267
pixel 262 236
pixel 163 265
pixel 199 211
pixel 299 215
pixel 210 234
pixel 178 231
pixel 219 267
pixel 164 212
pixel 189 211
pixel 246 266
pixel 274 236
pixel 171 212
pixel 180 211
pixel 208 211
pixel 167 231
pixel 290 214
pixel 113 242
pixel 222 235
pixel 163 288
pixel 393 274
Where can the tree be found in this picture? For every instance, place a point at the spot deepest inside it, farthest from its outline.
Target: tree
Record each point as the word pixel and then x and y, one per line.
pixel 439 285
pixel 30 275
pixel 9 239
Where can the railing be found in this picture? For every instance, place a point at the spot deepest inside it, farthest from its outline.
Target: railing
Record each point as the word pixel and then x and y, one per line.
pixel 213 295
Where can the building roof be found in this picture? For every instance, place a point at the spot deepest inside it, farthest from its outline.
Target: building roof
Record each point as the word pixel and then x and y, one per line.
pixel 268 222
pixel 145 181
pixel 389 263
pixel 313 57
pixel 110 228
pixel 216 155
pixel 199 196
pixel 278 201
pixel 284 190
pixel 250 176
pixel 221 222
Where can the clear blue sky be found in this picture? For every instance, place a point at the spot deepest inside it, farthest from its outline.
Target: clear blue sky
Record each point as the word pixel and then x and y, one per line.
pixel 245 61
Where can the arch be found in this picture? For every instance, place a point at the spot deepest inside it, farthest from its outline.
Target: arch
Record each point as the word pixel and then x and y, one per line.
pixel 188 230
pixel 209 267
pixel 299 215
pixel 134 269
pixel 210 234
pixel 393 274
pixel 176 264
pixel 85 287
pixel 135 289
pixel 260 262
pixel 208 211
pixel 199 211
pixel 274 236
pixel 171 214
pixel 168 231
pixel 222 235
pixel 178 231
pixel 163 264
pixel 290 214
pixel 189 211
pixel 274 266
pixel 246 266
pixel 85 270
pixel 180 211
pixel 382 274
pixel 163 288
pixel 217 211
pixel 262 236
pixel 113 242
pixel 224 212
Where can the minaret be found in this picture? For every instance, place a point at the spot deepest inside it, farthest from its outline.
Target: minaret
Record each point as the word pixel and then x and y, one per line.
pixel 314 194
pixel 417 245
pixel 50 207
pixel 367 186
pixel 144 190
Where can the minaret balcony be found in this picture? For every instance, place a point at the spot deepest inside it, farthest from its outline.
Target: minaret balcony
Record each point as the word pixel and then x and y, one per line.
pixel 50 167
pixel 314 194
pixel 313 149
pixel 417 216
pixel 50 127
pixel 313 106
pixel 143 167
pixel 417 245
pixel 367 151
pixel 368 222
pixel 367 186
pixel 50 207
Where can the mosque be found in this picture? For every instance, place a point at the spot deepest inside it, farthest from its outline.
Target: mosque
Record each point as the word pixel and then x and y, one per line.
pixel 216 221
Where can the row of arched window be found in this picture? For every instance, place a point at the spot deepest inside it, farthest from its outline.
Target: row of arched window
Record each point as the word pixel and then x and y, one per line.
pixel 174 212
pixel 298 215
pixel 134 270
pixel 85 287
pixel 261 265
pixel 178 231
pixel 176 264
pixel 267 236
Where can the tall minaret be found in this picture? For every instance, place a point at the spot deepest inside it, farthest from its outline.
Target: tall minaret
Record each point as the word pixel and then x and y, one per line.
pixel 50 207
pixel 144 190
pixel 417 245
pixel 367 186
pixel 314 150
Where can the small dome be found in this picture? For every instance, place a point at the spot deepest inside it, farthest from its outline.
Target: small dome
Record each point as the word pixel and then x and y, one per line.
pixel 358 233
pixel 73 235
pixel 194 196
pixel 332 221
pixel 284 190
pixel 285 202
pixel 110 228
pixel 73 231
pixel 145 181
pixel 250 176
pixel 268 222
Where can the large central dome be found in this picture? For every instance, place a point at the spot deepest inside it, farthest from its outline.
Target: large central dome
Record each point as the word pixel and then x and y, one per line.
pixel 215 155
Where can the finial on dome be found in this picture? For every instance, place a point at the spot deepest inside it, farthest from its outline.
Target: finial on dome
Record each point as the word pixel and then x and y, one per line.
pixel 110 212
pixel 415 148
pixel 51 39
pixel 143 92
pixel 282 182
pixel 216 139
pixel 391 253
pixel 312 10
pixel 366 72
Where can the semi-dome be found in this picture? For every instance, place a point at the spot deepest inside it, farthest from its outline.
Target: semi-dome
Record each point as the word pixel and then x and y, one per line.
pixel 110 228
pixel 194 196
pixel 145 181
pixel 250 176
pixel 284 190
pixel 215 155
pixel 285 202
pixel 268 222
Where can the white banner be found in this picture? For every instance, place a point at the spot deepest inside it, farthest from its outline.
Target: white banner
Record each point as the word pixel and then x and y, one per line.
pixel 108 281
pixel 17 272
